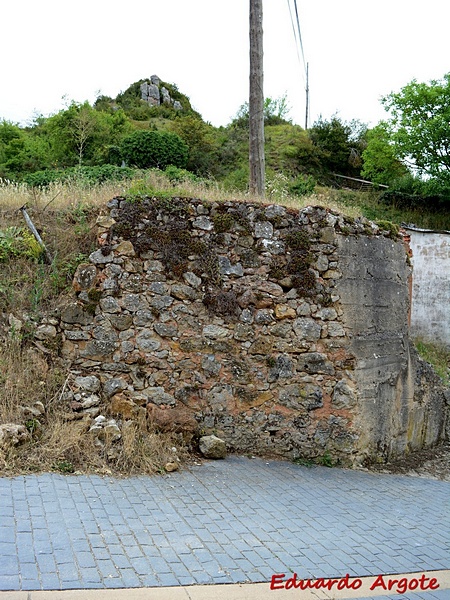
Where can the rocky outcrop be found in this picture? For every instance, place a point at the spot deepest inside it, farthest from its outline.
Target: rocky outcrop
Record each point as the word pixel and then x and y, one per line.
pixel 278 331
pixel 156 94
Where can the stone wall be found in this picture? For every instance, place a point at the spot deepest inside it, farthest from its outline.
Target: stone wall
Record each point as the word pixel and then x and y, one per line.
pixel 282 331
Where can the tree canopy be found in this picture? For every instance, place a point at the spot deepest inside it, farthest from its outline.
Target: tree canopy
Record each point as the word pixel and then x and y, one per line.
pixel 419 126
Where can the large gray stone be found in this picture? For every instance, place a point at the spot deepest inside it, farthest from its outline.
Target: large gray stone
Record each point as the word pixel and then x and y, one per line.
pixel 212 447
pixel 114 386
pixel 147 342
pixel 74 314
pixel 90 383
pixel 314 363
pixel 13 434
pixel 307 329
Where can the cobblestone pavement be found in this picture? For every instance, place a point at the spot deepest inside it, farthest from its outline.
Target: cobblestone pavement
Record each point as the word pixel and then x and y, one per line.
pixel 232 521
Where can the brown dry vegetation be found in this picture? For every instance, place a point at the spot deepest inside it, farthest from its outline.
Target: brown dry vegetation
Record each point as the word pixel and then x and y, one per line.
pixel 30 372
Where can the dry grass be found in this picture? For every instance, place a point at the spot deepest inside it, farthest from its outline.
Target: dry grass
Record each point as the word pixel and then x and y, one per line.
pixel 58 442
pixel 74 196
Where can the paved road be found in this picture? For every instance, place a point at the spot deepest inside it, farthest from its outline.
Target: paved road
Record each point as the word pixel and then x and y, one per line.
pixel 233 521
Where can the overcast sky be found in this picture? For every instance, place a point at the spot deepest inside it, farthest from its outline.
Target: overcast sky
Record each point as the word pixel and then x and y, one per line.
pixel 357 51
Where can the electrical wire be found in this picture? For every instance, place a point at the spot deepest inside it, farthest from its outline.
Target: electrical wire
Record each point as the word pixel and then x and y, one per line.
pixel 297 45
pixel 297 36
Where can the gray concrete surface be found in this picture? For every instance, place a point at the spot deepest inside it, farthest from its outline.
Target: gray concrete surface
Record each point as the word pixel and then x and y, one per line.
pixel 236 521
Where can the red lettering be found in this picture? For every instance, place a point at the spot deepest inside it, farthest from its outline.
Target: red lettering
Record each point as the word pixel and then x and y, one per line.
pixel 403 585
pixel 319 583
pixel 277 579
pixel 413 584
pixel 357 583
pixel 379 581
pixel 331 582
pixel 292 582
pixel 344 583
pixel 433 584
pixel 391 583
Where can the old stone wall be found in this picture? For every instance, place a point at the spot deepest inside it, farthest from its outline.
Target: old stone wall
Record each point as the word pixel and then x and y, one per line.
pixel 282 331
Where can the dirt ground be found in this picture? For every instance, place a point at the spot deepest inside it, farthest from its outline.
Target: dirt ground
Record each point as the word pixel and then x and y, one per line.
pixel 433 463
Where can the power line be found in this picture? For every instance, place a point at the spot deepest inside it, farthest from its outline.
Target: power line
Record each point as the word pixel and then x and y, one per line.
pixel 297 45
pixel 300 35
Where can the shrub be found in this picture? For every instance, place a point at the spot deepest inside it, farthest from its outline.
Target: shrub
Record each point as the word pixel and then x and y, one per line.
pixel 17 241
pixel 160 149
pixel 409 192
pixel 303 185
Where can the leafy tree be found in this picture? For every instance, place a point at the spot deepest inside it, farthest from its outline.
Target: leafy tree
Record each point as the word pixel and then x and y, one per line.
pixel 276 112
pixel 380 163
pixel 82 135
pixel 21 151
pixel 144 149
pixel 201 140
pixel 419 126
pixel 340 143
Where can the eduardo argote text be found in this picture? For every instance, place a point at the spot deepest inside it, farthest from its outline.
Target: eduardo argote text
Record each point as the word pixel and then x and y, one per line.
pixel 397 584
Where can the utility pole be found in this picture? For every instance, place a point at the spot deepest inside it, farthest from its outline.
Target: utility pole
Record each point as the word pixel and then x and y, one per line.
pixel 256 103
pixel 307 96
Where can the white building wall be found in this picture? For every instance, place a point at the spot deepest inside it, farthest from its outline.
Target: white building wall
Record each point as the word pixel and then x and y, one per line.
pixel 430 309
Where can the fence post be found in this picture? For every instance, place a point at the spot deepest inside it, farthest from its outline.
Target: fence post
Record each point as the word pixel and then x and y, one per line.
pixel 34 231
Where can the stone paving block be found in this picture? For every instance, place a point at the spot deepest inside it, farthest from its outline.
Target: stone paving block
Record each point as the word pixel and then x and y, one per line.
pixel 85 560
pixel 322 522
pixel 50 581
pixel 130 579
pixel 46 563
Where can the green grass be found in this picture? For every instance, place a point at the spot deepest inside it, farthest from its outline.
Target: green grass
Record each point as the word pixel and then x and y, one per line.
pixel 370 206
pixel 437 356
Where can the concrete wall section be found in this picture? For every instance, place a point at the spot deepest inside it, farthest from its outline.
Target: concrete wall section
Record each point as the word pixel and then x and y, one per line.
pixel 397 409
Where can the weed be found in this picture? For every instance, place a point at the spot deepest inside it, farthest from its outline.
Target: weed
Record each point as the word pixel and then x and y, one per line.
pixel 32 425
pixel 271 362
pixel 298 240
pixel 390 227
pixel 325 460
pixel 223 222
pixel 221 302
pixel 303 462
pixel 63 466
pixel 438 356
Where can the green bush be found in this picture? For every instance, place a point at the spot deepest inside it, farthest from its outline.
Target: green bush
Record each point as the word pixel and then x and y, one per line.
pixel 303 185
pixel 146 149
pixel 410 192
pixel 18 241
pixel 177 175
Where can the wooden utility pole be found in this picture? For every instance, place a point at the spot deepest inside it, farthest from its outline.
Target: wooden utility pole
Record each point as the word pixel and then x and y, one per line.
pixel 307 96
pixel 256 103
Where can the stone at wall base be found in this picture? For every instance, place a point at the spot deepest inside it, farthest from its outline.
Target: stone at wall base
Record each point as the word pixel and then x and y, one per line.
pixel 212 447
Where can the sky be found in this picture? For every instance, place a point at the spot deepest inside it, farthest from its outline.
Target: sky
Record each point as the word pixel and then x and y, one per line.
pixel 54 52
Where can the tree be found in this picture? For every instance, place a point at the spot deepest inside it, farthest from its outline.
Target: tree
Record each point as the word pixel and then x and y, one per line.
pixel 276 112
pixel 419 126
pixel 144 149
pixel 200 138
pixel 341 144
pixel 80 135
pixel 21 150
pixel 380 163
